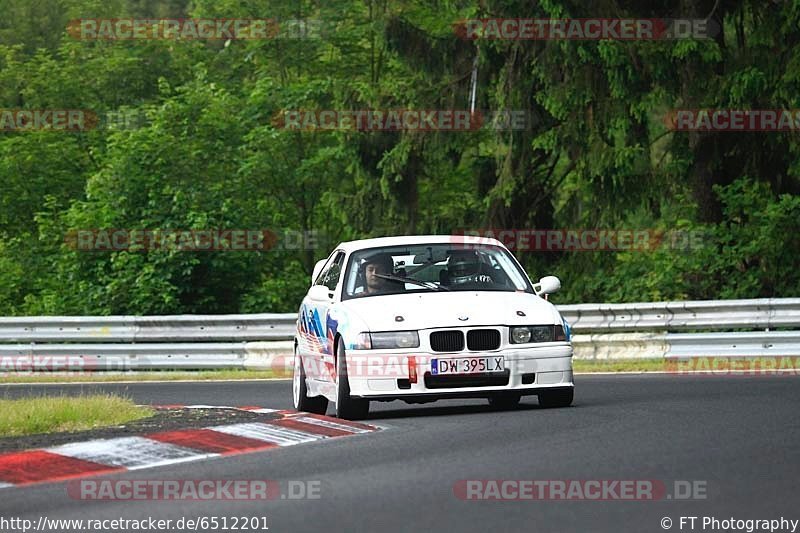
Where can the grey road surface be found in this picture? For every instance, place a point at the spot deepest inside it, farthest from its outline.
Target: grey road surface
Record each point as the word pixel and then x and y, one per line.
pixel 738 438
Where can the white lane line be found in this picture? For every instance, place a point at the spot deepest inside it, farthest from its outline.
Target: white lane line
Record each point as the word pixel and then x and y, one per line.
pixel 177 460
pixel 330 424
pixel 5 485
pixel 274 434
pixel 130 452
pixel 254 410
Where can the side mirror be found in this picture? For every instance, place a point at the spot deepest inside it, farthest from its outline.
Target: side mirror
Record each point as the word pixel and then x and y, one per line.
pixel 320 293
pixel 547 285
pixel 317 270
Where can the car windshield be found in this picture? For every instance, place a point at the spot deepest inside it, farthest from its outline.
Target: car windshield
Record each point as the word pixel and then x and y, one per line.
pixel 432 267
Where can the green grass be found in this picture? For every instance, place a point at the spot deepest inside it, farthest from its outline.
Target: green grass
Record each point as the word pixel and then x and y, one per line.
pixel 54 414
pixel 619 365
pixel 753 365
pixel 165 375
pixel 579 365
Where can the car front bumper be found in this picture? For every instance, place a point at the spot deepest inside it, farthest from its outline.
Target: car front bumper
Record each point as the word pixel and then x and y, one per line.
pixel 382 375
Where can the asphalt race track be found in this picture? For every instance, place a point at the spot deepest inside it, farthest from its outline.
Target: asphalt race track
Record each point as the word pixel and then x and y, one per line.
pixel 740 436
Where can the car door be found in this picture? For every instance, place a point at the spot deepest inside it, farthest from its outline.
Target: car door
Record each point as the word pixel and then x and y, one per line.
pixel 309 328
pixel 316 316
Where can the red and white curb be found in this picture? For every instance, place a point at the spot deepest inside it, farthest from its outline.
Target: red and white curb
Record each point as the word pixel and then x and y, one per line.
pixel 79 459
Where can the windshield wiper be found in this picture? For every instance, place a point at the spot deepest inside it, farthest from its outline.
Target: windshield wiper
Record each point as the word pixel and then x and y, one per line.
pixel 427 284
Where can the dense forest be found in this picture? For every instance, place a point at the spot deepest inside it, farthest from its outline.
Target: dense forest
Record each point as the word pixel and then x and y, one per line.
pixel 187 138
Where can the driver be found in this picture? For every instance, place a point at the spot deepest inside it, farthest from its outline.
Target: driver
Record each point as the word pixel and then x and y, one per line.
pixel 464 266
pixel 373 265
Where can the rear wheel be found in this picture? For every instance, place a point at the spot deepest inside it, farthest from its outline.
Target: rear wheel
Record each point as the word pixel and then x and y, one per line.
pixel 557 398
pixel 505 401
pixel 302 402
pixel 347 407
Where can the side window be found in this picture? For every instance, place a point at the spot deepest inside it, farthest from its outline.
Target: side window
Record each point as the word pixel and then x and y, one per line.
pixel 330 276
pixel 322 273
pixel 321 276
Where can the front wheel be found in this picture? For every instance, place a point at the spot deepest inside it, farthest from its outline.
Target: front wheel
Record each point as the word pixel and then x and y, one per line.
pixel 347 407
pixel 302 402
pixel 557 398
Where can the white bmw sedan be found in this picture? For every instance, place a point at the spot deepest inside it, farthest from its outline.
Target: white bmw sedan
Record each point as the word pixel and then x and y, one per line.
pixel 421 318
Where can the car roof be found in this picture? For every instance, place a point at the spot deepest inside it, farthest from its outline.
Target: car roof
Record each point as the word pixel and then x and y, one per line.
pixel 352 246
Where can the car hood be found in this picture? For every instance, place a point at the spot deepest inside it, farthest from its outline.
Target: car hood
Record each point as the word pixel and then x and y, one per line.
pixel 447 309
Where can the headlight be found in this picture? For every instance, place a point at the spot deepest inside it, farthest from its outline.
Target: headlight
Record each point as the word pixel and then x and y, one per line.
pixel 388 340
pixel 526 334
pixel 520 335
pixel 542 333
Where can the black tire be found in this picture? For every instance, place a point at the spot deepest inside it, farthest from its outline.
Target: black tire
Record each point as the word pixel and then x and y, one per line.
pixel 302 402
pixel 557 398
pixel 505 401
pixel 347 407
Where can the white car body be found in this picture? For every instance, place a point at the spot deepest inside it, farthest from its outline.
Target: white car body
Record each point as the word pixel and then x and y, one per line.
pixel 388 374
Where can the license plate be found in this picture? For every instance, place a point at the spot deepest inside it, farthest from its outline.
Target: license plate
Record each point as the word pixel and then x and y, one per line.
pixel 468 365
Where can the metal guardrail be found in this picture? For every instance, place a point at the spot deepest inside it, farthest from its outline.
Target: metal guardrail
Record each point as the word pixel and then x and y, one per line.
pixel 759 313
pixel 264 340
pixel 734 344
pixel 92 357
pixel 134 329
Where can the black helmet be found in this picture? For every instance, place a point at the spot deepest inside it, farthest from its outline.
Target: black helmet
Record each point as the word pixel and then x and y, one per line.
pixel 462 265
pixel 380 258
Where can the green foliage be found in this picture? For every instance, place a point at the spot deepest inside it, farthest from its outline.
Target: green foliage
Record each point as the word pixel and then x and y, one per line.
pixel 206 151
pixel 750 254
